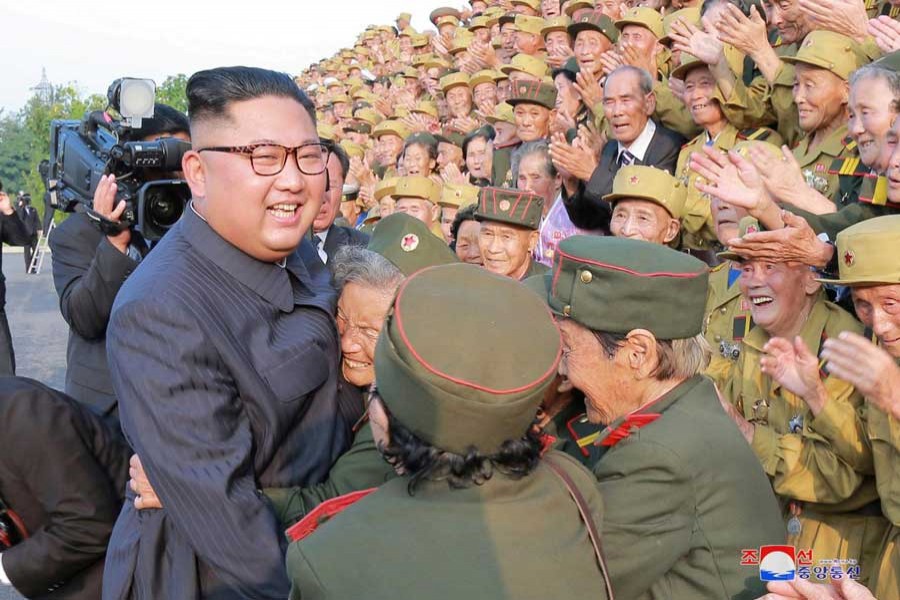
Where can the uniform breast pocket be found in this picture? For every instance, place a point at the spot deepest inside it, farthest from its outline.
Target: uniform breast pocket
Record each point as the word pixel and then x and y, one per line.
pixel 298 376
pixel 885 437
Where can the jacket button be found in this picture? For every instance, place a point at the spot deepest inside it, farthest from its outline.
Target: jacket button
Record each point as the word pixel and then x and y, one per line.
pixel 586 277
pixel 567 309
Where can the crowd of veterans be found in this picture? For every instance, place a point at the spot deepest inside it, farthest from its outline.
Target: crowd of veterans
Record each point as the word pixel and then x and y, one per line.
pixel 595 299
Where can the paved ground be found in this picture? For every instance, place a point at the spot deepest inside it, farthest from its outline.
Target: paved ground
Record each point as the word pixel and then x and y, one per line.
pixel 38 331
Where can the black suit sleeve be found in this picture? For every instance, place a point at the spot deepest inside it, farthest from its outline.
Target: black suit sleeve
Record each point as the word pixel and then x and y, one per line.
pixel 664 149
pixel 586 207
pixel 87 272
pixel 13 230
pixel 181 410
pixel 73 489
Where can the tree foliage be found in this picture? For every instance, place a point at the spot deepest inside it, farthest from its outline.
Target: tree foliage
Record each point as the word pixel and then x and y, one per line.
pixel 172 92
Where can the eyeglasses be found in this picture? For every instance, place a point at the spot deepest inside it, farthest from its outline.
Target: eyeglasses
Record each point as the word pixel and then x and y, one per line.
pixel 269 159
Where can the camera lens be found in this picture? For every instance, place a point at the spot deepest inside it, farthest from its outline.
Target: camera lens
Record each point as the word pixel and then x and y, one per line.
pixel 164 210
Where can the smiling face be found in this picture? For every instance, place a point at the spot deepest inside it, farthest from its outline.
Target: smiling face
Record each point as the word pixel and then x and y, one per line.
pixel 467 249
pixel 506 249
pixel 643 220
pixel 878 307
pixel 418 208
pixel 871 115
pixel 448 213
pixel 275 211
pixel 626 106
pixel 781 295
pixel 699 88
pixel 360 316
pixel 892 151
pixel 821 97
pixel 387 149
pixel 787 17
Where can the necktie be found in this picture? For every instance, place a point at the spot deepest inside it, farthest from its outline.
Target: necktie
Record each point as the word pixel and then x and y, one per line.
pixel 626 159
pixel 320 248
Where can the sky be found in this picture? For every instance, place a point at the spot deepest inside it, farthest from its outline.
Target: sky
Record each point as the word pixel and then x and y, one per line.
pixel 76 41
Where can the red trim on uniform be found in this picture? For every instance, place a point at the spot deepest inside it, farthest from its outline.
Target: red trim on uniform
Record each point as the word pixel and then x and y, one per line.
pixel 323 512
pixel 629 271
pixel 527 206
pixel 494 199
pixel 887 203
pixel 574 435
pixel 435 371
pixel 512 211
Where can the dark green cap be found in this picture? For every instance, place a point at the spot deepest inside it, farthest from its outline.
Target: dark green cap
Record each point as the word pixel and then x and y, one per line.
pixel 616 285
pixel 407 243
pixel 505 205
pixel 890 61
pixel 450 136
pixel 533 92
pixel 481 397
pixel 571 67
pixel 595 21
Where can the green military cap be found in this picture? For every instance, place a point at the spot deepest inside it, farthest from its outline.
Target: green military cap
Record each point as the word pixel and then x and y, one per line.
pixel 408 73
pixel 443 11
pixel 453 400
pixel 636 182
pixel 533 4
pixel 386 187
pixel 830 51
pixel 407 243
pixel 890 61
pixel 420 40
pixel 372 216
pixel 367 115
pixel 868 253
pixel 461 41
pixel 404 17
pixel 616 285
pixel 560 23
pixel 447 20
pixel 688 63
pixel 570 66
pixel 746 226
pixel 452 80
pixel 459 195
pixel 571 7
pixel 533 92
pixel 426 107
pixel 529 24
pixel 358 127
pixel 485 76
pixel 527 64
pixel 325 131
pixel 450 136
pixel 512 206
pixel 416 186
pixel 435 62
pixel 419 60
pixel 341 99
pixel 479 22
pixel 503 113
pixel 421 137
pixel 595 21
pixel 353 149
pixel 644 17
pixel 390 127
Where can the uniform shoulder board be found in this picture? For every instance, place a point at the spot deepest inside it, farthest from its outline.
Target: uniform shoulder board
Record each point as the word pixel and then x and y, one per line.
pixel 755 133
pixel 847 166
pixel 719 267
pixel 849 143
pixel 879 195
pixel 323 512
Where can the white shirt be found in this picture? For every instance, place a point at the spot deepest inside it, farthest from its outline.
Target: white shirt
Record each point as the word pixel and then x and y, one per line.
pixel 4 580
pixel 639 146
pixel 320 244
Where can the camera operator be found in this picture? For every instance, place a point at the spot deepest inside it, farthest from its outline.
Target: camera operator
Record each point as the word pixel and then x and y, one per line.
pixel 90 267
pixel 12 232
pixel 64 482
pixel 29 217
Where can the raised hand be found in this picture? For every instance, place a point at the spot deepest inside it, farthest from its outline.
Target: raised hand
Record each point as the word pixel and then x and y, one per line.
pixel 870 369
pixel 793 366
pixel 886 32
pixel 747 34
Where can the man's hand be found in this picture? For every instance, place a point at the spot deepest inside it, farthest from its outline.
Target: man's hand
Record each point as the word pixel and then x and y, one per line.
pixel 573 159
pixel 464 124
pixel 676 86
pixel 104 197
pixel 634 57
pixel 781 177
pixel 145 497
pixel 747 34
pixel 870 369
pixel 847 17
pixel 730 178
pixel 451 174
pixel 610 60
pixel 800 589
pixel 795 242
pixel 702 43
pixel 484 54
pixel 886 32
pixel 589 89
pixel 797 369
pixel 590 139
pixel 367 195
pixel 562 121
pixel 6 204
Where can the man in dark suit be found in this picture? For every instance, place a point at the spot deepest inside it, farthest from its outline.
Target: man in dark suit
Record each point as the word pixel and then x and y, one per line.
pixel 12 232
pixel 224 352
pixel 328 237
pixel 63 472
pixel 628 102
pixel 88 270
pixel 32 221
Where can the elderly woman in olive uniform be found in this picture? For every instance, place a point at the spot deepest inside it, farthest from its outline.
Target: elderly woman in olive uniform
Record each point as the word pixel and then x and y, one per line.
pixel 812 444
pixel 510 220
pixel 683 494
pixel 647 204
pixel 478 510
pixel 869 265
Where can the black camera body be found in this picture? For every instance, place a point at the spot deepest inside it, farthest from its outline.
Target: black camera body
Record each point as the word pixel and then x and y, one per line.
pixel 81 152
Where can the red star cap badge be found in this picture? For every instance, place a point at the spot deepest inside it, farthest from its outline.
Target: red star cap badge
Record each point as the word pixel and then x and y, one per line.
pixel 849 258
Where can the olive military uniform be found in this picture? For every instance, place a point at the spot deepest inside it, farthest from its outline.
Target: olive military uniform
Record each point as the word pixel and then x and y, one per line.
pixel 727 320
pixel 816 165
pixel 514 207
pixel 819 466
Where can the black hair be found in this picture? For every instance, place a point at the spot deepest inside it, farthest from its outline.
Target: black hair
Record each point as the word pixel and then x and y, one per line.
pixel 486 133
pixel 467 213
pixel 341 154
pixel 425 142
pixel 423 462
pixel 210 92
pixel 742 5
pixel 165 120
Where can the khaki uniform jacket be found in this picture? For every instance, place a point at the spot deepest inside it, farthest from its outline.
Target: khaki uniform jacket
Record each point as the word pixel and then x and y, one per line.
pixel 820 465
pixel 683 496
pixel 535 268
pixel 504 539
pixel 816 163
pixel 727 322
pixel 697 227
pixel 884 435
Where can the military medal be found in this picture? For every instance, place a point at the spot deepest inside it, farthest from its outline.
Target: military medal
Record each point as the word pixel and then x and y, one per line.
pixel 796 424
pixel 794 526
